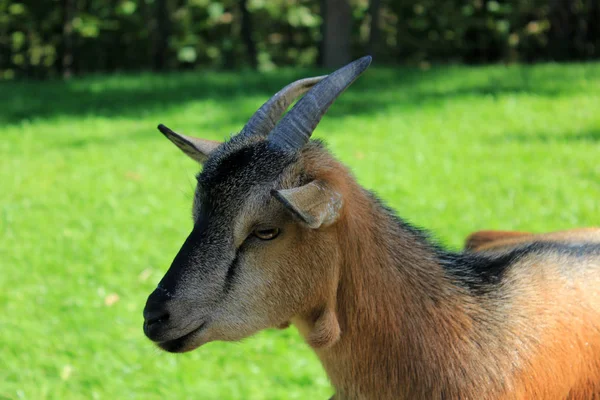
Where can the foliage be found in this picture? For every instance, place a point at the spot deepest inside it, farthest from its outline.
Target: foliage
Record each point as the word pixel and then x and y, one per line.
pixel 95 204
pixel 492 30
pixel 36 38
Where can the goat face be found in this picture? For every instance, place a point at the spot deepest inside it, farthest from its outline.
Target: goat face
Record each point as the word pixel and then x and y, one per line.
pixel 263 247
pixel 247 264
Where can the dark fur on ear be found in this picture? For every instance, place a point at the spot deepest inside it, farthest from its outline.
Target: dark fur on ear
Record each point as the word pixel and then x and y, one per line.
pixel 197 149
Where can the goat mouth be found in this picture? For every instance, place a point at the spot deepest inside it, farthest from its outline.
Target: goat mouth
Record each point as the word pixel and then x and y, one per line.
pixel 184 343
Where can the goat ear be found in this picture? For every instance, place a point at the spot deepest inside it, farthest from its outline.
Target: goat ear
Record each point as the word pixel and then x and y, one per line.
pixel 197 149
pixel 315 203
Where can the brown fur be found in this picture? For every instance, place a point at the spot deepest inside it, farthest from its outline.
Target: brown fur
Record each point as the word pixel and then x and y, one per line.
pixel 390 315
pixel 486 240
pixel 402 330
pixel 385 317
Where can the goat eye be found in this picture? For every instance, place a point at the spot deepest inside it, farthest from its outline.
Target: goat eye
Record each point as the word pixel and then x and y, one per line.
pixel 266 234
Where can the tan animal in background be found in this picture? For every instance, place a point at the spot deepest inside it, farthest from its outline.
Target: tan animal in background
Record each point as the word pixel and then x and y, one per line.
pixel 488 240
pixel 283 232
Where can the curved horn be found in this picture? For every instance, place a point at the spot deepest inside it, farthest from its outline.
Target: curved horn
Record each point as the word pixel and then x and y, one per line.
pixel 296 127
pixel 265 118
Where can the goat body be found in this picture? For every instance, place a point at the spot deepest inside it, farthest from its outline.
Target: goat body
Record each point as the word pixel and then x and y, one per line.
pixel 283 232
pixel 418 322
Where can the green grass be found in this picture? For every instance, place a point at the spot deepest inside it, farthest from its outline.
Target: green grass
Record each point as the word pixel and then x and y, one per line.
pixel 94 202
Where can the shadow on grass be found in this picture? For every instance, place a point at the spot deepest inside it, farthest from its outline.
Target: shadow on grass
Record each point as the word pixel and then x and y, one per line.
pixel 563 137
pixel 105 140
pixel 143 95
pixel 137 96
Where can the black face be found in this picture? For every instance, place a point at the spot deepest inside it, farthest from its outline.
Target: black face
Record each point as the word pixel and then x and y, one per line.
pixel 172 313
pixel 234 170
pixel 204 272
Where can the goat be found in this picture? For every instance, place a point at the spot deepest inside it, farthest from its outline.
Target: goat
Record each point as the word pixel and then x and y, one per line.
pixel 283 232
pixel 487 240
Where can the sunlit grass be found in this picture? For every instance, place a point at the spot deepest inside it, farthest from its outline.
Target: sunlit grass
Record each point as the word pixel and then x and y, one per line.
pixel 95 203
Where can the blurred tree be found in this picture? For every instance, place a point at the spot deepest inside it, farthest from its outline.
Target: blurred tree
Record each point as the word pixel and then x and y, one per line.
pixel 65 37
pixel 374 33
pixel 247 32
pixel 161 37
pixel 337 24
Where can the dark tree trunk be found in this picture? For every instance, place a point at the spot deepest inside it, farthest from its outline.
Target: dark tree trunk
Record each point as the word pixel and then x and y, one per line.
pixel 146 13
pixel 161 35
pixel 401 28
pixel 374 34
pixel 246 32
pixel 593 33
pixel 113 47
pixel 561 32
pixel 482 46
pixel 337 20
pixel 321 45
pixel 229 51
pixel 67 39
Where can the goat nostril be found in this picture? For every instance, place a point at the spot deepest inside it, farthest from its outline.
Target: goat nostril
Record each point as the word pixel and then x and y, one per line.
pixel 157 319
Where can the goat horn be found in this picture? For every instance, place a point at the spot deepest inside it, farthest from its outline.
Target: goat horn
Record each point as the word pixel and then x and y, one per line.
pixel 296 127
pixel 266 117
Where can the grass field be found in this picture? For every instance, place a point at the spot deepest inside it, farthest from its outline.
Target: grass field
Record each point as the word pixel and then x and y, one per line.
pixel 94 204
